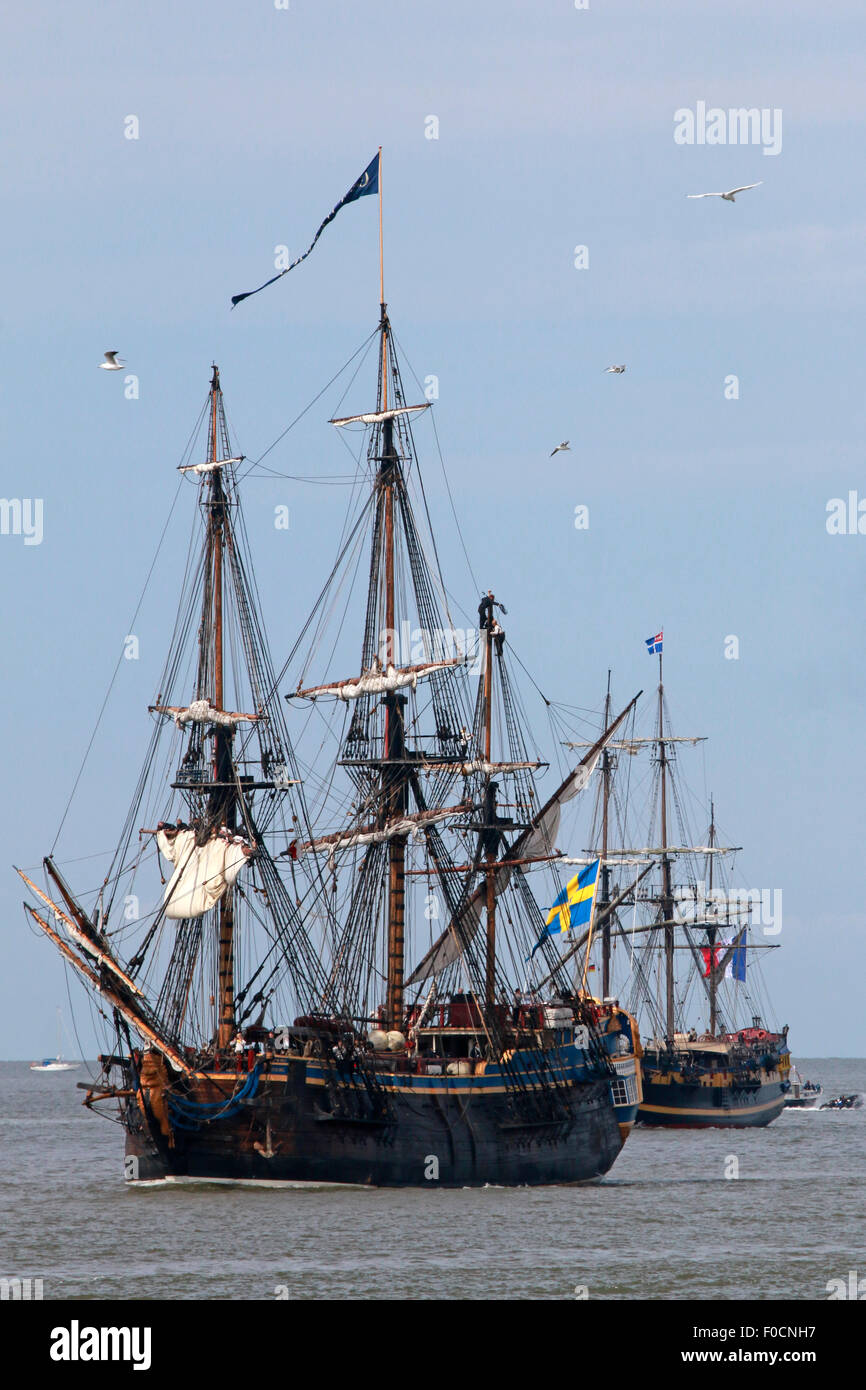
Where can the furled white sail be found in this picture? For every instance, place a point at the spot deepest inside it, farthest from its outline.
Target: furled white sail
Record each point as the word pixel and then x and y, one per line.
pixel 374 417
pixel 377 682
pixel 489 769
pixel 209 466
pixel 376 835
pixel 203 712
pixel 202 872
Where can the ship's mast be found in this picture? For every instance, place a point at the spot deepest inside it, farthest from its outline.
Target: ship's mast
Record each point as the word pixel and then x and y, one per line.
pixel 605 871
pixel 394 785
pixel 489 817
pixel 667 893
pixel 222 798
pixel 394 801
pixel 711 930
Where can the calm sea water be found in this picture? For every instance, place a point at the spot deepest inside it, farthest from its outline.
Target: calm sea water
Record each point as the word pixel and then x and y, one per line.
pixel 666 1223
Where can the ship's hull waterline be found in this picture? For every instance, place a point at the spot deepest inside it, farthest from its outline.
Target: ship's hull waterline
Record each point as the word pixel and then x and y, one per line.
pixel 303 1129
pixel 672 1103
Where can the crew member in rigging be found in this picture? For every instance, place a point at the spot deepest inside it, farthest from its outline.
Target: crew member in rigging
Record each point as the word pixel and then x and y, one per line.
pixel 487 619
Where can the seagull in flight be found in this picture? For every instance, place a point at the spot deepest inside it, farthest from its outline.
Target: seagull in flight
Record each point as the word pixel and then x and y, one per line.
pixel 111 363
pixel 731 193
pixel 564 446
pixel 614 369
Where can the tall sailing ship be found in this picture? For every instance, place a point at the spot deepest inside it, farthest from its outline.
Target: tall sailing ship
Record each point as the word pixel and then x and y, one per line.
pixel 250 944
pixel 683 955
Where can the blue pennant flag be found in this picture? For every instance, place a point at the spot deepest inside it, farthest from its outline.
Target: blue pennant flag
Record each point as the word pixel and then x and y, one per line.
pixel 736 968
pixel 574 905
pixel 367 183
pixel 654 644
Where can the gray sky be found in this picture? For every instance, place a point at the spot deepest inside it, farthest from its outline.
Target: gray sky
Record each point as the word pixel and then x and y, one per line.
pixel 556 125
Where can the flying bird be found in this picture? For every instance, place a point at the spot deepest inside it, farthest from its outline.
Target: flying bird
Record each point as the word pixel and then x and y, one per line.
pixel 730 195
pixel 614 369
pixel 111 363
pixel 564 446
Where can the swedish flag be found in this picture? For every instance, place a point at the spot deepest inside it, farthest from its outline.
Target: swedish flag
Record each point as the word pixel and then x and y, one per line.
pixel 574 905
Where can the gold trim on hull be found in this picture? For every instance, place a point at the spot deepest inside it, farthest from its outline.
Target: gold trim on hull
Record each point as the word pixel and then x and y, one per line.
pixel 710 1110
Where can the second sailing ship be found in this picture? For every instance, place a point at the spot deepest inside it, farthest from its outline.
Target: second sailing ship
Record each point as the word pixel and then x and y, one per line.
pixel 684 962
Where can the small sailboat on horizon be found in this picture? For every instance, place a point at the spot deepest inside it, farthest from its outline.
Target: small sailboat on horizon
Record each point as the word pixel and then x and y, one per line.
pixel 59 1062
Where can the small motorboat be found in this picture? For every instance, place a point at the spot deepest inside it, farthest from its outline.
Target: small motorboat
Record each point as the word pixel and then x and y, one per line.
pixel 802 1095
pixel 853 1102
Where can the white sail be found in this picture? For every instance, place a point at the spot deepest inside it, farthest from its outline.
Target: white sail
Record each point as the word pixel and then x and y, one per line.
pixel 210 466
pixel 454 939
pixel 633 745
pixel 203 712
pixel 377 682
pixel 374 417
pixel 202 872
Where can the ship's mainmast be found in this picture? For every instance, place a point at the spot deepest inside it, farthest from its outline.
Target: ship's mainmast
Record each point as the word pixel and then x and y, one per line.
pixel 222 799
pixel 394 776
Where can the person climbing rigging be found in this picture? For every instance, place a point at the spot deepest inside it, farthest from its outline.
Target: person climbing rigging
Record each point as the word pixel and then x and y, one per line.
pixel 487 619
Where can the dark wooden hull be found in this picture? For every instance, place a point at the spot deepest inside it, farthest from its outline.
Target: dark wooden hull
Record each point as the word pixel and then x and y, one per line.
pixel 675 1104
pixel 303 1127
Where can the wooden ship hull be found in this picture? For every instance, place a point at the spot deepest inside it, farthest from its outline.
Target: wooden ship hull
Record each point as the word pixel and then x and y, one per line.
pixel 710 1089
pixel 300 1122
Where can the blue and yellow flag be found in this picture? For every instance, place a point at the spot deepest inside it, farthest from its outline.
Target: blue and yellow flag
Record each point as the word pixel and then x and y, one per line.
pixel 573 907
